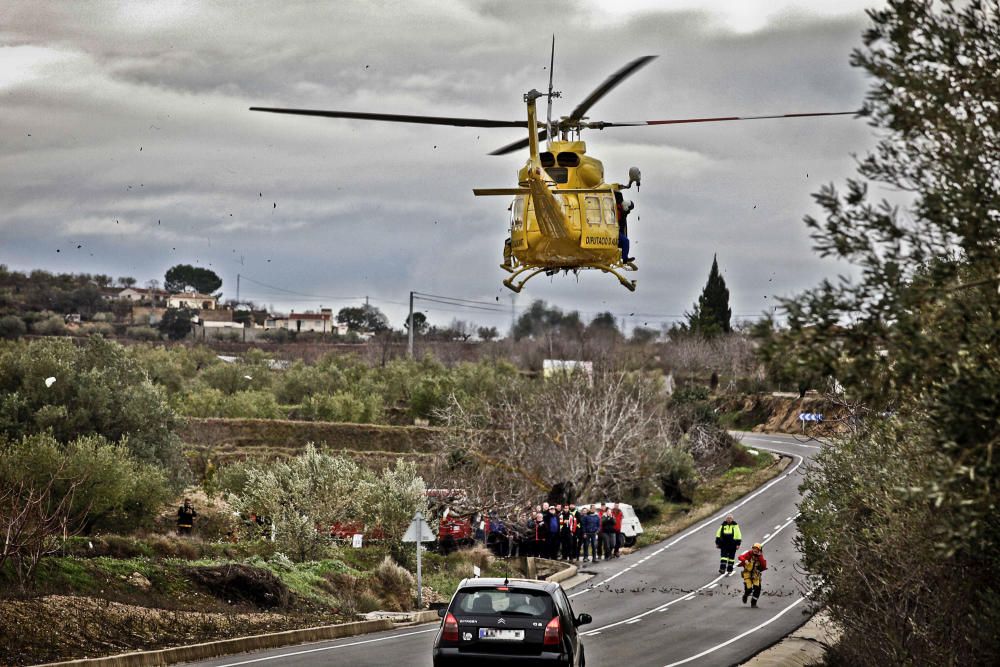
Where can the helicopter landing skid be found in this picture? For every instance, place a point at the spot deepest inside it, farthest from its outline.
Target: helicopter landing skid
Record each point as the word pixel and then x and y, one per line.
pixel 512 283
pixel 517 286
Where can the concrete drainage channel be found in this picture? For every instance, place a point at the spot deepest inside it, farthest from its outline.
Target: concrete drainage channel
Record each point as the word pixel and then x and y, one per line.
pixel 378 621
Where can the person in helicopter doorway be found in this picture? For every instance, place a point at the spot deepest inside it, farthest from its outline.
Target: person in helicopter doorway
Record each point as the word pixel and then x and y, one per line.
pixel 623 208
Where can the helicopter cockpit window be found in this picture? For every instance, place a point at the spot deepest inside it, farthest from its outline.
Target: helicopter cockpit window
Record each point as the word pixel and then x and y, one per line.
pixel 547 159
pixel 568 159
pixel 593 210
pixel 558 174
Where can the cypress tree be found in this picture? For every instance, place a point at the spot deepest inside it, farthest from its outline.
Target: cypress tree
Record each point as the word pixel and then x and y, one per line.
pixel 712 314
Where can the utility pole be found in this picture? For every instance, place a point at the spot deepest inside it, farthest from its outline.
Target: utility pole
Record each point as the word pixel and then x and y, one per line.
pixel 409 349
pixel 237 289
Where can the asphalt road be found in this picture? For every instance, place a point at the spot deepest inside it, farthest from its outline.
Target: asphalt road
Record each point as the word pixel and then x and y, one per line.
pixel 661 606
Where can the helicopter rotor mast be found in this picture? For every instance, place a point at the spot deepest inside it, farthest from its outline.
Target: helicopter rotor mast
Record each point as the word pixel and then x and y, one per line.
pixel 548 117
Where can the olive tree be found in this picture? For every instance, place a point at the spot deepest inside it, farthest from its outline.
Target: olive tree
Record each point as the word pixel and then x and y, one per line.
pixel 913 341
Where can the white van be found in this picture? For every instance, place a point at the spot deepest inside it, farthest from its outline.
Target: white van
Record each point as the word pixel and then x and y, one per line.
pixel 631 528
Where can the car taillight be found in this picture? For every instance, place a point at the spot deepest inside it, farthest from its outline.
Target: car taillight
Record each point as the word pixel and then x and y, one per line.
pixel 450 632
pixel 553 633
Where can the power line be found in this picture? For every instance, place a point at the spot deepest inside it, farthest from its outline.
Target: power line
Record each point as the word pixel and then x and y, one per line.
pixel 311 296
pixel 455 298
pixel 461 305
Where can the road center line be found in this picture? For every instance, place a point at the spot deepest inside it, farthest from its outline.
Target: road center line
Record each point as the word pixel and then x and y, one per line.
pixel 739 636
pixel 709 522
pixel 687 596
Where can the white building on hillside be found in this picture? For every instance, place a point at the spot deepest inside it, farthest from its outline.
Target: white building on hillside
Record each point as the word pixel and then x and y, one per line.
pixel 192 300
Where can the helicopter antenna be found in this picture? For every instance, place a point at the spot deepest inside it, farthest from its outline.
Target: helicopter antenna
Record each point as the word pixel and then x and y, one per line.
pixel 548 117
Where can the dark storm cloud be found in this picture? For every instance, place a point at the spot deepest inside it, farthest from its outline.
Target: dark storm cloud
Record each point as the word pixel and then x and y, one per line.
pixel 379 209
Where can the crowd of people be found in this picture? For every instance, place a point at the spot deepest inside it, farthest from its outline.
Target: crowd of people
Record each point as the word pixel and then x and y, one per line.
pixel 557 532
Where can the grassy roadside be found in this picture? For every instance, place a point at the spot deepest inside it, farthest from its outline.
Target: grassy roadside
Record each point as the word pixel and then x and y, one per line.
pixel 710 497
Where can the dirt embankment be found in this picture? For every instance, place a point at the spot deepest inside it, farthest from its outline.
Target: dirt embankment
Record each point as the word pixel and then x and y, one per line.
pixel 50 628
pixel 375 446
pixel 779 413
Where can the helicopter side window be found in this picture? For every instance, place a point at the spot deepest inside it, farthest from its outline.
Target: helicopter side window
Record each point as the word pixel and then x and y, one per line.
pixel 610 217
pixel 593 211
pixel 517 214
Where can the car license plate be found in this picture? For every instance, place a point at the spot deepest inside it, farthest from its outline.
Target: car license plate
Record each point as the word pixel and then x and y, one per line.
pixel 501 634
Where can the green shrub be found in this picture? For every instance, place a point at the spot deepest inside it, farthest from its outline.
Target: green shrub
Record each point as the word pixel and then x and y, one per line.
pixel 143 333
pixel 98 390
pixel 50 326
pixel 676 474
pixel 111 490
pixel 393 585
pixel 12 327
pixel 101 328
pixel 342 407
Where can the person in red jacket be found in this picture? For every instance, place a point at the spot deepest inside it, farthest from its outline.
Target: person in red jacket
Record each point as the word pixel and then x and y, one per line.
pixel 753 564
pixel 619 539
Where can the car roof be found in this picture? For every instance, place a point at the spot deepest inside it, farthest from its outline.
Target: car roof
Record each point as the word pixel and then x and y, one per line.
pixel 493 582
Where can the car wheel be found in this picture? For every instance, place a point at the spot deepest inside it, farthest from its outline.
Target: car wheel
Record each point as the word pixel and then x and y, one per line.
pixel 630 541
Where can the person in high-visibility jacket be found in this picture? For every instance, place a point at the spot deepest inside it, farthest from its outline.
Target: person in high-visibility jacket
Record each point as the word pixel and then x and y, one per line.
pixel 727 540
pixel 753 564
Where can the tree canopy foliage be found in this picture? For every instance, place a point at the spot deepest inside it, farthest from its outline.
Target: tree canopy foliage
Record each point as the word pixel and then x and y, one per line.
pixel 176 323
pixel 308 494
pixel 363 319
pixel 95 389
pixel 913 340
pixel 180 277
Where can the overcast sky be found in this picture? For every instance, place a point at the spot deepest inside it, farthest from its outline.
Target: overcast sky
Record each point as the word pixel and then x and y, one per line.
pixel 125 131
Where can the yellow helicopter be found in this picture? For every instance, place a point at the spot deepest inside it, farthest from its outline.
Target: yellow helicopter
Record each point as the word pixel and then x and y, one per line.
pixel 564 216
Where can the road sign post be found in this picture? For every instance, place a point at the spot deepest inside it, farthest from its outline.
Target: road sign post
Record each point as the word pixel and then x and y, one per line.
pixel 419 531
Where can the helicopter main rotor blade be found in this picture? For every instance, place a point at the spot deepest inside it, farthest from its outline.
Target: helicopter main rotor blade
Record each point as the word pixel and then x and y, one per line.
pixel 398 118
pixel 608 85
pixel 600 125
pixel 518 145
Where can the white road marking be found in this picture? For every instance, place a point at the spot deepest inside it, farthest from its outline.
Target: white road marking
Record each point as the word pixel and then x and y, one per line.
pixel 688 596
pixel 767 536
pixel 635 621
pixel 709 522
pixel 739 636
pixel 713 585
pixel 328 648
pixel 776 527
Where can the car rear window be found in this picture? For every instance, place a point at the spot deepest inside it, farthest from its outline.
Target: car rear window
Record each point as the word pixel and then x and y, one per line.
pixel 511 602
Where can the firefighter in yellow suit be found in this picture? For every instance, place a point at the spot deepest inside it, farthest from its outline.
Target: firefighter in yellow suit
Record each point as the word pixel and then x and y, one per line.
pixel 753 563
